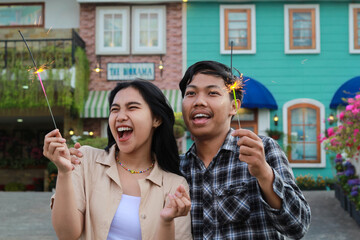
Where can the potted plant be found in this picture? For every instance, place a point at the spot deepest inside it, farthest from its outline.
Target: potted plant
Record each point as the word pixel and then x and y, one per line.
pixel 274 134
pixel 179 126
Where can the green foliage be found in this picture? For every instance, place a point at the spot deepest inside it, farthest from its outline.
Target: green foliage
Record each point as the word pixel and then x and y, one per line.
pixel 81 86
pixel 21 163
pixel 51 167
pixel 15 187
pixel 96 142
pixel 308 182
pixel 275 134
pixel 179 126
pixel 59 92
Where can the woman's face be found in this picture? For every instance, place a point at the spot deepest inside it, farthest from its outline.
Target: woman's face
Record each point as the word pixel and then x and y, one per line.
pixel 131 121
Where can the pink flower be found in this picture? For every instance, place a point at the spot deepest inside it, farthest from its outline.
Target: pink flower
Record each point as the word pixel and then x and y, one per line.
pixel 349 107
pixel 355 111
pixel 341 115
pixel 330 132
pixel 357 97
pixel 351 100
pixel 339 155
pixel 356 132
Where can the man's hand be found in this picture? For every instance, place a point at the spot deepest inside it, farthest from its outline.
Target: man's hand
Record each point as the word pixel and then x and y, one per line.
pixel 252 152
pixel 76 154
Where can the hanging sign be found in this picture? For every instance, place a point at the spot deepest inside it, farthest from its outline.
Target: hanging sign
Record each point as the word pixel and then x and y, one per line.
pixel 130 71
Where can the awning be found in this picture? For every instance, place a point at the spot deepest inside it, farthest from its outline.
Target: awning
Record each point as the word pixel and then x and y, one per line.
pixel 347 90
pixel 97 106
pixel 256 95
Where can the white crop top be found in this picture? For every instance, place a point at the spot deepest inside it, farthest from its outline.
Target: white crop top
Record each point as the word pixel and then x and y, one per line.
pixel 126 224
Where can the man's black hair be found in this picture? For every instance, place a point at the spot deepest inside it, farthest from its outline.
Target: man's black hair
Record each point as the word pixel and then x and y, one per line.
pixel 210 68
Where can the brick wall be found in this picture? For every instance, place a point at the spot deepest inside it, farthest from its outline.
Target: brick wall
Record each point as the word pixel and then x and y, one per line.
pixel 172 60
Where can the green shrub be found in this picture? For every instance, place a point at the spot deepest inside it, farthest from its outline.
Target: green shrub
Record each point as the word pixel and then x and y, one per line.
pixel 96 142
pixel 14 187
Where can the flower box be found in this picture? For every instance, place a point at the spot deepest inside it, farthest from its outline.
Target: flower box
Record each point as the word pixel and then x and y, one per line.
pixel 354 213
pixel 338 191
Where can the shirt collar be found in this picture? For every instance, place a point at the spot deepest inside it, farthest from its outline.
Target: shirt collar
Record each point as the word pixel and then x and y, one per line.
pixel 227 145
pixel 156 174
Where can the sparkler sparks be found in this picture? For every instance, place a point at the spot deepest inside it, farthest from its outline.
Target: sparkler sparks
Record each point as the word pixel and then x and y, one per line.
pixel 237 85
pixel 38 71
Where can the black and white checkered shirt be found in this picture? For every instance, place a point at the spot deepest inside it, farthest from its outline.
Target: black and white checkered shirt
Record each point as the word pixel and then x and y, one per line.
pixel 227 202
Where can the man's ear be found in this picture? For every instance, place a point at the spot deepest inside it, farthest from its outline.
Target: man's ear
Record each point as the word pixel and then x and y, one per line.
pixel 157 122
pixel 233 107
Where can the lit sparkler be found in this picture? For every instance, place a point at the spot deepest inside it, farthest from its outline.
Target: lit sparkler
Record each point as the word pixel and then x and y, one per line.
pixel 38 71
pixel 234 87
pixel 237 84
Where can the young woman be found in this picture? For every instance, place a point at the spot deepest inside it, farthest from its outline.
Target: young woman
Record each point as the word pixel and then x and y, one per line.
pixel 133 188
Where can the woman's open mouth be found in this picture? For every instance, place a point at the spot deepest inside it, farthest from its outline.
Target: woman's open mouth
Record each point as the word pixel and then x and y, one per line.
pixel 124 133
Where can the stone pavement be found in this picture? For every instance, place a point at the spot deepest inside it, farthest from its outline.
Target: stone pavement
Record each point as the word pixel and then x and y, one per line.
pixel 26 215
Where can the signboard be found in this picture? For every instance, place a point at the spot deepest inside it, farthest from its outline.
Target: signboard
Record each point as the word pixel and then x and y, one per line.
pixel 130 71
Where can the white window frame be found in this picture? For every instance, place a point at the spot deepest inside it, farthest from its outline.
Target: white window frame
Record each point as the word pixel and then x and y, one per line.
pixel 135 47
pixel 287 7
pixel 252 50
pixel 318 104
pixel 100 49
pixel 352 48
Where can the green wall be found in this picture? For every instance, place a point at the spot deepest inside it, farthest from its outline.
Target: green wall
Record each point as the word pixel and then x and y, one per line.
pixel 287 76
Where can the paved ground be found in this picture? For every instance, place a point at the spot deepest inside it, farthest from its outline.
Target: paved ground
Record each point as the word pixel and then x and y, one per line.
pixel 26 215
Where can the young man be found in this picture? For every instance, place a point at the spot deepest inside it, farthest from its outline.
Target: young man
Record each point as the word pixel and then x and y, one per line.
pixel 241 184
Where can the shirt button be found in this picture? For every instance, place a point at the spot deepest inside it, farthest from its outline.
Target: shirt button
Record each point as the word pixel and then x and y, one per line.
pixel 143 216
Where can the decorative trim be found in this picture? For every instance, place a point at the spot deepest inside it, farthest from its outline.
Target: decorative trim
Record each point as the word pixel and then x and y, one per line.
pixel 287 7
pixel 252 49
pixel 352 48
pixel 322 163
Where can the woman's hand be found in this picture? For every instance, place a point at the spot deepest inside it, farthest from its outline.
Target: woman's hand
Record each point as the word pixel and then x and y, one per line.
pixel 177 205
pixel 56 150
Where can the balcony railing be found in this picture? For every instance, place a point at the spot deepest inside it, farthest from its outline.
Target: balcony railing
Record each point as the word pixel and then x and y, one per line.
pixel 57 53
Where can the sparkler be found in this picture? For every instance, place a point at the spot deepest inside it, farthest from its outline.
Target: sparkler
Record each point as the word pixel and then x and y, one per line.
pixel 237 84
pixel 38 71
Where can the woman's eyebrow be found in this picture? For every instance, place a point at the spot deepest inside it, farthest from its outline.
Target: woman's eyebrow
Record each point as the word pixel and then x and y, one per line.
pixel 131 103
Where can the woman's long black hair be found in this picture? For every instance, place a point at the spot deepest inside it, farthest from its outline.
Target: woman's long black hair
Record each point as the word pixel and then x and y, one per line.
pixel 163 141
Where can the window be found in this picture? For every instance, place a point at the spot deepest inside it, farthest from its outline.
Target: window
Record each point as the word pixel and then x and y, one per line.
pixel 237 25
pixel 149 30
pixel 22 15
pixel 303 126
pixel 112 30
pixel 302 28
pixel 248 119
pixel 354 28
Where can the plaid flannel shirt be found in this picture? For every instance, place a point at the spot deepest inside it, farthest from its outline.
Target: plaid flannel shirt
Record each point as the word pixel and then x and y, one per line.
pixel 227 202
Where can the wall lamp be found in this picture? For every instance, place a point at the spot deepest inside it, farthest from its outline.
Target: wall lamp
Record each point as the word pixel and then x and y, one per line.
pixel 331 119
pixel 98 68
pixel 276 120
pixel 161 66
pixel 71 132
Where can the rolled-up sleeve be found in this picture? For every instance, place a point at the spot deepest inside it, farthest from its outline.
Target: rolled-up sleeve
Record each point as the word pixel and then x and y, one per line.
pixel 293 218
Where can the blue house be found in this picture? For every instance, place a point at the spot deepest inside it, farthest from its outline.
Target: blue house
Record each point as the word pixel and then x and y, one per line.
pixel 303 56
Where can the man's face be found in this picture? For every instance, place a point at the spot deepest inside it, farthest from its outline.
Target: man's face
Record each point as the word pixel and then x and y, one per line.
pixel 207 108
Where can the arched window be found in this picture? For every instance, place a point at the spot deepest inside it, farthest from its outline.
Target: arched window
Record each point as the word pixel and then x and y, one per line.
pixel 303 126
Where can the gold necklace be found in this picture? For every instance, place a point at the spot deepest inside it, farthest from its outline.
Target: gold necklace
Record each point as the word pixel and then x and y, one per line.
pixel 130 170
